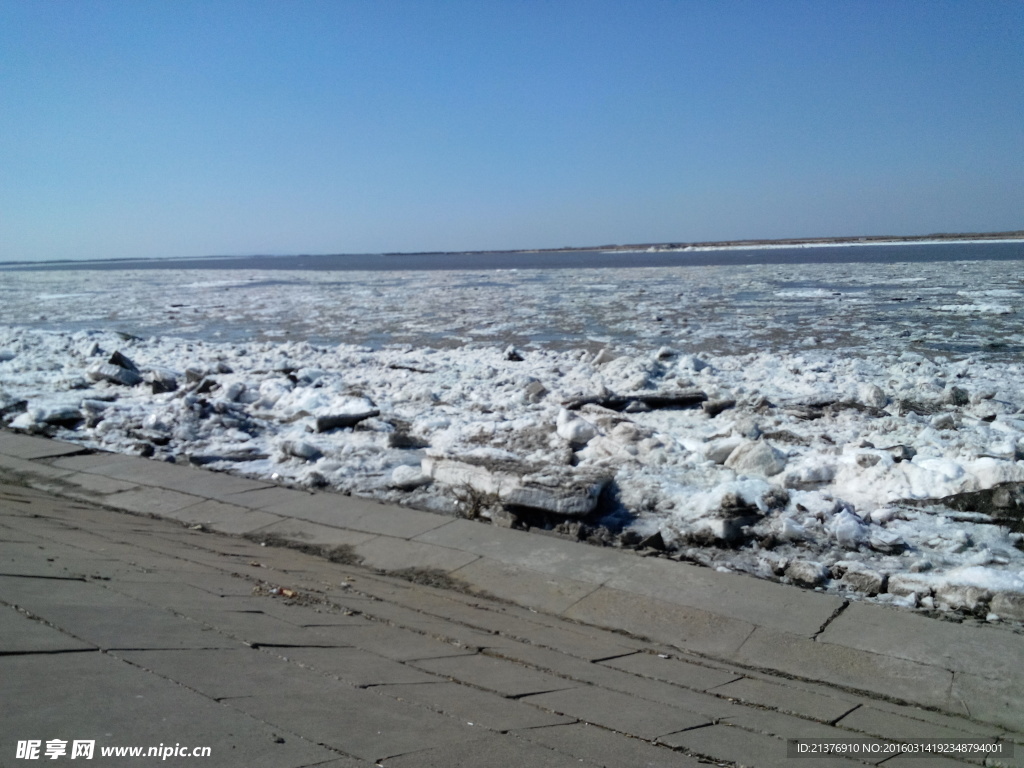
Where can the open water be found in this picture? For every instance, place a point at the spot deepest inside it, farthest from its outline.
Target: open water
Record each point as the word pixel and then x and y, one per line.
pixel 871 254
pixel 955 299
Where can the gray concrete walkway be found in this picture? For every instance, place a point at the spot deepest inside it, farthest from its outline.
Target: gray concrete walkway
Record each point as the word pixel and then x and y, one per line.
pixel 413 639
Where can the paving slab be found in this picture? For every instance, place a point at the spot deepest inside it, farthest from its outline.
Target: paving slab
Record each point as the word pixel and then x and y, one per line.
pixel 21 634
pixel 194 602
pixel 86 461
pixel 431 626
pixel 525 587
pixel 105 618
pixel 938 718
pixel 230 561
pixel 172 477
pixel 1006 759
pixel 490 752
pixel 607 748
pixel 362 723
pixel 909 681
pixel 315 616
pixel 132 627
pixel 396 643
pixel 13 531
pixel 338 510
pixel 474 707
pixel 114 465
pixel 510 621
pixel 673 670
pixel 294 559
pixel 543 554
pixel 602 677
pixel 576 641
pixel 676 625
pixel 35 594
pixel 785 698
pixel 92 486
pixel 178 595
pixel 56 532
pixel 995 701
pixel 12 467
pixel 868 719
pixel 98 520
pixel 215 485
pixel 754 750
pixel 905 635
pixel 150 566
pixel 31 447
pixel 139 548
pixel 151 501
pixel 499 616
pixel 59 564
pixel 975 654
pixel 223 673
pixel 783 726
pixel 306 532
pixel 95 696
pixel 260 629
pixel 617 711
pixel 23 558
pixel 266 497
pixel 323 508
pixel 358 667
pixel 333 615
pixel 914 761
pixel 392 521
pixel 17 499
pixel 737 596
pixel 222 518
pixel 385 588
pixel 466 608
pixel 498 675
pixel 213 581
pixel 391 554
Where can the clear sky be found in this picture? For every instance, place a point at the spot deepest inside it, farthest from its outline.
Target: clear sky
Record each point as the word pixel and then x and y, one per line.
pixel 151 128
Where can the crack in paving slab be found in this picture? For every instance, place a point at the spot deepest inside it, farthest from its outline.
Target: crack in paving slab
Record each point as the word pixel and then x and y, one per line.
pixel 50 653
pixel 830 619
pixel 45 577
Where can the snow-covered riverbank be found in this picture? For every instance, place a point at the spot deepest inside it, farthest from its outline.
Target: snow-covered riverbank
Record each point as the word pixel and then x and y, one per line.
pixel 814 457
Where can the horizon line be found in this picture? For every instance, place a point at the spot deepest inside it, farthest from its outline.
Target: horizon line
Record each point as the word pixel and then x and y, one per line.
pixel 667 245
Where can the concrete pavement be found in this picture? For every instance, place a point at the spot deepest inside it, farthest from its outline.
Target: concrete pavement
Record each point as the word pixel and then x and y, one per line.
pixel 408 638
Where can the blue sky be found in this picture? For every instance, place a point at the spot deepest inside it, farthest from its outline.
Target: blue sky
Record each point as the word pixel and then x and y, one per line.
pixel 178 128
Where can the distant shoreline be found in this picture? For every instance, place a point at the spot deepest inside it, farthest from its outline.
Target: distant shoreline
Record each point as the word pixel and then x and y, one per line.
pixel 796 242
pixel 651 248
